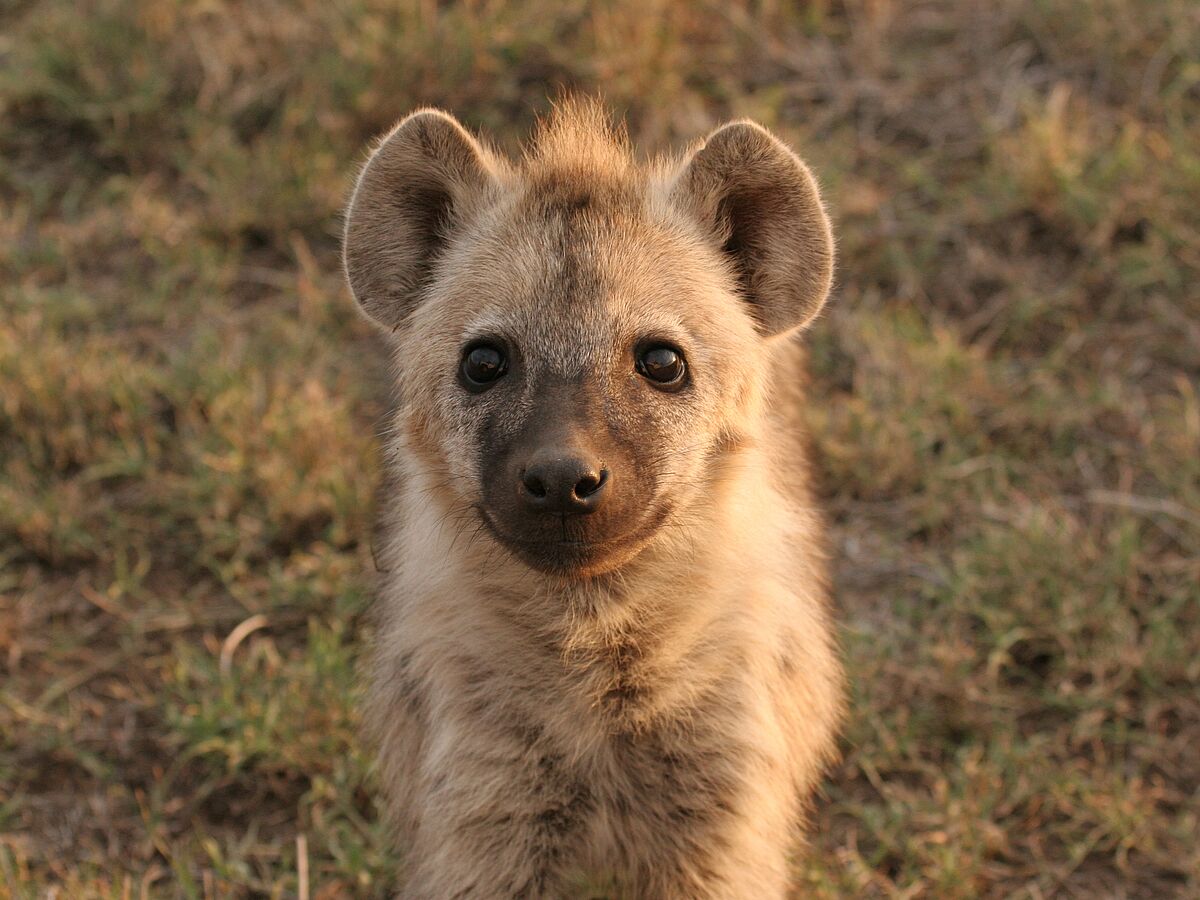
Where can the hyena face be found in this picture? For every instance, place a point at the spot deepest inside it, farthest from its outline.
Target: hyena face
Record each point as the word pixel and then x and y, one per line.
pixel 580 340
pixel 574 367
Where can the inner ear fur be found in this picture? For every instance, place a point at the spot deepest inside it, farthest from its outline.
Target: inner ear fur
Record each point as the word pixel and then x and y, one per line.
pixel 762 207
pixel 420 182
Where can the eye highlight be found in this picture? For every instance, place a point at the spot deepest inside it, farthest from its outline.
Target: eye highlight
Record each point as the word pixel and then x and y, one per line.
pixel 662 365
pixel 482 365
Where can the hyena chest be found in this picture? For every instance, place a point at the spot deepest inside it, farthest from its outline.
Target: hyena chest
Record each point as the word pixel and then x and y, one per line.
pixel 650 803
pixel 663 788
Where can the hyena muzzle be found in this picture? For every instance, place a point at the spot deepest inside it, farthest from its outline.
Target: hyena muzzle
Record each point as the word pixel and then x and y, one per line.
pixel 604 663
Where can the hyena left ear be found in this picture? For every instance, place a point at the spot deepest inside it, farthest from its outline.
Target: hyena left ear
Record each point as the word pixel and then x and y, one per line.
pixel 761 205
pixel 419 184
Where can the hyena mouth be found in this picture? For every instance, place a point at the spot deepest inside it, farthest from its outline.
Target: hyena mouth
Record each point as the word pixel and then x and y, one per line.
pixel 566 548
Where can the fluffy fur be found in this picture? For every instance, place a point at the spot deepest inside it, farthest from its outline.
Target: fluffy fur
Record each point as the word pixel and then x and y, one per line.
pixel 648 719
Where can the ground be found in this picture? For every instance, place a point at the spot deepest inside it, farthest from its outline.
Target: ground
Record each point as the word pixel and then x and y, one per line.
pixel 1005 413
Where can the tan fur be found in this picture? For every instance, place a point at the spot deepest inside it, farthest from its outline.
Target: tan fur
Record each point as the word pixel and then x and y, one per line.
pixel 652 722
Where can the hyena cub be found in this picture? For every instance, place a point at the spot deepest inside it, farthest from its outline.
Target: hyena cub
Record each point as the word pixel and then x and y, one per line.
pixel 604 662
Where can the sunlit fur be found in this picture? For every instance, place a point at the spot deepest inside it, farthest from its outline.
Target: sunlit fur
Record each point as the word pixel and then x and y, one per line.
pixel 656 720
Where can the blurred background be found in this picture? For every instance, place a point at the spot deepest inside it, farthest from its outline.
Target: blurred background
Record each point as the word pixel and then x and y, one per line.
pixel 1005 411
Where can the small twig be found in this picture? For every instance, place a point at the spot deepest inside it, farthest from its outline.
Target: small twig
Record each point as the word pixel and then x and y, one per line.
pixel 302 866
pixel 239 634
pixel 1145 504
pixel 31 713
pixel 102 602
pixel 375 560
pixel 79 679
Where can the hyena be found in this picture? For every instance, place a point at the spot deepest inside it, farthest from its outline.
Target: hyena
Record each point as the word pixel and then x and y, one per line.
pixel 604 660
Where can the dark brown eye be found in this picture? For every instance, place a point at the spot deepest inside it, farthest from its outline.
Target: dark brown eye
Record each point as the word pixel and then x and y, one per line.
pixel 481 365
pixel 662 365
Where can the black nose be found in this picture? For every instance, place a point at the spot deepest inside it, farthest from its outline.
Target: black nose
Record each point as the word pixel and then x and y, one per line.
pixel 563 483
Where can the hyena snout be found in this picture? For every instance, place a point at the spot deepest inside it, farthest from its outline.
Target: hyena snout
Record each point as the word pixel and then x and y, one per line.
pixel 558 480
pixel 565 497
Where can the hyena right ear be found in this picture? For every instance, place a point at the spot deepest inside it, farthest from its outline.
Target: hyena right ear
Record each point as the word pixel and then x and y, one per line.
pixel 417 185
pixel 761 207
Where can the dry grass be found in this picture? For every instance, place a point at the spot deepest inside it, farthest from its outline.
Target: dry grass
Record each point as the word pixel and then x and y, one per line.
pixel 1006 412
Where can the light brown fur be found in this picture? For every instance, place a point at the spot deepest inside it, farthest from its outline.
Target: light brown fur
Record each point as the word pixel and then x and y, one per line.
pixel 649 718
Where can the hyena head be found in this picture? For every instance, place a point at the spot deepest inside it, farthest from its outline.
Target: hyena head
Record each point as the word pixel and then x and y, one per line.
pixel 581 340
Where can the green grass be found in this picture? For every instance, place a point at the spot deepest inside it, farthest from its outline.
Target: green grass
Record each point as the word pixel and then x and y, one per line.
pixel 1006 413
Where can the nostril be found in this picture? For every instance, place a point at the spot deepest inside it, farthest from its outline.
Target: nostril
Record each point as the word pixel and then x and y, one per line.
pixel 534 484
pixel 589 484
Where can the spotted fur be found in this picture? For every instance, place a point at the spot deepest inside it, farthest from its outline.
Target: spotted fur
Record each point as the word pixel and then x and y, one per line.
pixel 650 711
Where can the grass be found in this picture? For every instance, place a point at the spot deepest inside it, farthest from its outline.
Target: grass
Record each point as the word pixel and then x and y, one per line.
pixel 1006 412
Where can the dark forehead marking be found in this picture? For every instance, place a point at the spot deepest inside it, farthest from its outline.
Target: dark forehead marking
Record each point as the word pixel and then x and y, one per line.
pixel 578 278
pixel 583 191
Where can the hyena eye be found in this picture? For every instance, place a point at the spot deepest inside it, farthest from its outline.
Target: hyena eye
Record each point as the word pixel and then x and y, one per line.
pixel 661 365
pixel 482 364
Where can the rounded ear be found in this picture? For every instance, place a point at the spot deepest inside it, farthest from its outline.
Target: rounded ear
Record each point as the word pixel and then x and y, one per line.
pixel 762 207
pixel 417 185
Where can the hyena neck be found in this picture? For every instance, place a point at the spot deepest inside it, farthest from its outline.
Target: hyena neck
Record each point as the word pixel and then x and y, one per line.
pixel 637 647
pixel 684 620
